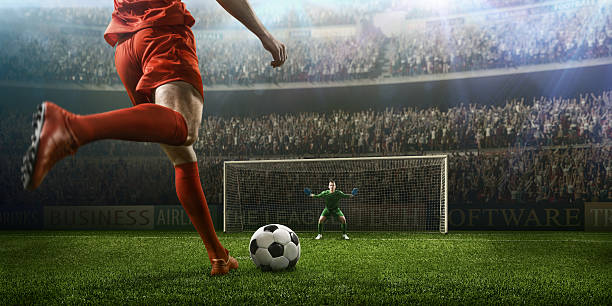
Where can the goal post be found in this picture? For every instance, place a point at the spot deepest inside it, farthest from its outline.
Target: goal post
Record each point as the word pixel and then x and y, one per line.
pixel 397 193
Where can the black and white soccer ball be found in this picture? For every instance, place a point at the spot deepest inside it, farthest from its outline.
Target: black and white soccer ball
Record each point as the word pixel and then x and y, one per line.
pixel 274 247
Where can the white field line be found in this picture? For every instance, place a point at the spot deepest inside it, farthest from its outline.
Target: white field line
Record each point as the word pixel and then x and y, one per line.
pixel 358 239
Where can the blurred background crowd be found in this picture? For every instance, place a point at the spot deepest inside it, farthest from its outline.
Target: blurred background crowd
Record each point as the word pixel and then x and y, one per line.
pixel 541 122
pixel 550 37
pixel 66 45
pixel 549 149
pixel 311 13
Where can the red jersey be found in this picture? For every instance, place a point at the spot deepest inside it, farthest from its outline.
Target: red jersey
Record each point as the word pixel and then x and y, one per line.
pixel 130 16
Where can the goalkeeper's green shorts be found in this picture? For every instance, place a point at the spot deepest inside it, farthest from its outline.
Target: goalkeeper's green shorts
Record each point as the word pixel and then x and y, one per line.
pixel 336 213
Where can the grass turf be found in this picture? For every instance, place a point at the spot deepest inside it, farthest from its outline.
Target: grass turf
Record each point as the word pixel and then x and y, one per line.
pixel 118 267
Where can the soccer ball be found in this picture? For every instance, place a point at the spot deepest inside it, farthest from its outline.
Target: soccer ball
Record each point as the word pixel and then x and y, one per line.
pixel 274 247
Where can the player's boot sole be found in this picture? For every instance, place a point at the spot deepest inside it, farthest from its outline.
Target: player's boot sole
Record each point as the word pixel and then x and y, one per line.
pixel 52 140
pixel 222 267
pixel 29 160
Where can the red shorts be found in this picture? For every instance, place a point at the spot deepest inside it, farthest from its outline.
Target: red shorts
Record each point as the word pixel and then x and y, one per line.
pixel 155 56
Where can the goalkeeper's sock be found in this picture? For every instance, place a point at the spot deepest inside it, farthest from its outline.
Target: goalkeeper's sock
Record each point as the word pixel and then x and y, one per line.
pixel 320 228
pixel 343 227
pixel 191 195
pixel 145 122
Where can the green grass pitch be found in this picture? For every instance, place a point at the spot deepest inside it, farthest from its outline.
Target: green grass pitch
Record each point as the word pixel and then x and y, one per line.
pixel 129 267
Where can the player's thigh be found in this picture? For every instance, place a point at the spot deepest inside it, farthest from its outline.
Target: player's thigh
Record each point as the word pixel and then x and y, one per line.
pixel 179 154
pixel 128 70
pixel 185 99
pixel 324 215
pixel 338 215
pixel 170 72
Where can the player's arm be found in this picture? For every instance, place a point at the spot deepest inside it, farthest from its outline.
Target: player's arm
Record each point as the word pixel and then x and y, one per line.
pixel 308 192
pixel 344 195
pixel 242 11
pixel 350 195
pixel 320 195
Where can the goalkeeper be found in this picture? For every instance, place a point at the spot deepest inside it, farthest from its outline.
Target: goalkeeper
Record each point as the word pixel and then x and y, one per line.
pixel 332 198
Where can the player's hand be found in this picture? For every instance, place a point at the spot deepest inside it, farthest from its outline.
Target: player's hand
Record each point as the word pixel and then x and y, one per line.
pixel 354 192
pixel 276 48
pixel 307 191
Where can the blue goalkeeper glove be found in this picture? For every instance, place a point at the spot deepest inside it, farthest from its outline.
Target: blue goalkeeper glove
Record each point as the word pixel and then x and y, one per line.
pixel 307 191
pixel 354 192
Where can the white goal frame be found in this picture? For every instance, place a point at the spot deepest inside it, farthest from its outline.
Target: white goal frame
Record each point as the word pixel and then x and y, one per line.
pixel 443 183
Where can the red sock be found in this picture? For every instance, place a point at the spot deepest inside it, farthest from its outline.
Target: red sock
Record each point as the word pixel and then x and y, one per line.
pixel 189 191
pixel 145 122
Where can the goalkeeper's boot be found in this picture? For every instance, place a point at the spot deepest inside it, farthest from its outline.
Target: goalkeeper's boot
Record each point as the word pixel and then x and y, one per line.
pixel 345 237
pixel 319 236
pixel 52 141
pixel 222 266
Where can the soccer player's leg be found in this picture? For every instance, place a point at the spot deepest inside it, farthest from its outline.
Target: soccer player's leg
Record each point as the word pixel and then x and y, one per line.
pixel 322 219
pixel 342 220
pixel 190 194
pixel 59 133
pixel 177 85
pixel 185 99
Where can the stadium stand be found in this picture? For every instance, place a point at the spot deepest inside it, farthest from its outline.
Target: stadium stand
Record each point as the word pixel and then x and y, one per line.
pixel 69 48
pixel 545 149
pixel 551 149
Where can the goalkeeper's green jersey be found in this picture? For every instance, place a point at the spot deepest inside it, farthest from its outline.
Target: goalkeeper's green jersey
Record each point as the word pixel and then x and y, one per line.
pixel 332 199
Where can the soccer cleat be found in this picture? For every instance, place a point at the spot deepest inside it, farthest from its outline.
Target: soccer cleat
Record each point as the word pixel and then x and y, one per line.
pixel 52 141
pixel 319 236
pixel 345 237
pixel 222 267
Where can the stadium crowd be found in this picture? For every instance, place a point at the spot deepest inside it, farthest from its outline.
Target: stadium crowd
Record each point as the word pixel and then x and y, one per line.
pixel 551 149
pixel 428 9
pixel 550 37
pixel 46 57
pixel 210 16
pixel 562 174
pixel 80 55
pixel 295 14
pixel 55 57
pixel 314 60
pixel 545 175
pixel 544 122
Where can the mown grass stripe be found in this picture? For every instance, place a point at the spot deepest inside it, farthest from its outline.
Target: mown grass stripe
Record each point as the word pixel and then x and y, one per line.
pixel 170 267
pixel 354 239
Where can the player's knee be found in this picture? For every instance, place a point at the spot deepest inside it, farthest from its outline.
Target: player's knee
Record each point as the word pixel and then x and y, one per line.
pixel 180 154
pixel 193 125
pixel 187 101
pixel 192 137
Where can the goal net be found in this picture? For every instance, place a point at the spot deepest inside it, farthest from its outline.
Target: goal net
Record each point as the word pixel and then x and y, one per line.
pixel 400 193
